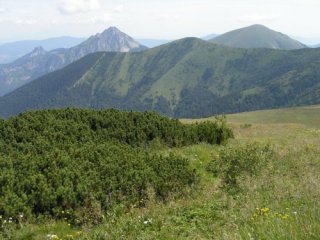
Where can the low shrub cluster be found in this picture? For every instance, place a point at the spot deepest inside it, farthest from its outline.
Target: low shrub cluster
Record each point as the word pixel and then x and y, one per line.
pixel 234 161
pixel 78 164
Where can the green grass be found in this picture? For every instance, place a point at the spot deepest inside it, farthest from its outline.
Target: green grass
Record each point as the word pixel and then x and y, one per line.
pixel 287 188
pixel 308 116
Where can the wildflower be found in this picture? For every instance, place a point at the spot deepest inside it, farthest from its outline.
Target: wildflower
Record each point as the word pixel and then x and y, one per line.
pixel 286 216
pixel 295 213
pixel 149 221
pixel 52 237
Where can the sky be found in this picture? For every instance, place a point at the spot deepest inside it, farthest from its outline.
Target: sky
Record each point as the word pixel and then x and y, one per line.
pixel 158 19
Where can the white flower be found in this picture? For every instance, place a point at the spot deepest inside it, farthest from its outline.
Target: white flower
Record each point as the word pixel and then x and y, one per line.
pixel 149 221
pixel 52 237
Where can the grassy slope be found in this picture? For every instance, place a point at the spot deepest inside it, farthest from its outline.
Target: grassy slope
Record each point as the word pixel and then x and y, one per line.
pixel 308 116
pixel 289 185
pixel 257 36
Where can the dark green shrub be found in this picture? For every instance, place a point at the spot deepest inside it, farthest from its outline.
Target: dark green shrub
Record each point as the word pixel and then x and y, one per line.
pixel 170 174
pixel 84 162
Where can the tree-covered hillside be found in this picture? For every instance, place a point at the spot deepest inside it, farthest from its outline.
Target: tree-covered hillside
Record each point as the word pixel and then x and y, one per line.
pixel 186 78
pixel 79 164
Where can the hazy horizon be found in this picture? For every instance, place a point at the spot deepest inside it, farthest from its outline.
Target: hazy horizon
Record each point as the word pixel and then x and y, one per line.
pixel 167 19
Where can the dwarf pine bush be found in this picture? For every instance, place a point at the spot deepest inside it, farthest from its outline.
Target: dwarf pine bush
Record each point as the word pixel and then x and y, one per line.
pixel 77 164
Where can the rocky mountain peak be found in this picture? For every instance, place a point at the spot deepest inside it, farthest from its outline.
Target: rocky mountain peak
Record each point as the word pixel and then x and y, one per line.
pixel 111 40
pixel 112 30
pixel 38 51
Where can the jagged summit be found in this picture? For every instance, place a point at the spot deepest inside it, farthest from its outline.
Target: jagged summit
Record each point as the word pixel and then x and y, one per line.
pixel 111 30
pixel 37 51
pixel 111 40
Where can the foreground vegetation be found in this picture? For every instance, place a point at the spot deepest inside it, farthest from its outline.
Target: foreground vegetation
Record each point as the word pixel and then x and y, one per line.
pixel 78 165
pixel 273 197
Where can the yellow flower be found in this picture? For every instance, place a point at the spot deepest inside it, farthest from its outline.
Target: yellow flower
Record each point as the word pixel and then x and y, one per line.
pixel 286 216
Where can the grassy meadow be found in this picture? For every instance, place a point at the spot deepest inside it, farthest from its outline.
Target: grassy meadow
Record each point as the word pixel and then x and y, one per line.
pixel 278 200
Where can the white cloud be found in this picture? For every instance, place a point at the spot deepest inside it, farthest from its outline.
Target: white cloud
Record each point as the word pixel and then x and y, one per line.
pixel 105 18
pixel 119 8
pixel 77 6
pixel 255 18
pixel 54 21
pixel 26 21
pixel 168 17
pixel 2 10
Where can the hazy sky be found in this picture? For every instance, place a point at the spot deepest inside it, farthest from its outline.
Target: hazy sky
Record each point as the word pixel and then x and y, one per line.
pixel 166 19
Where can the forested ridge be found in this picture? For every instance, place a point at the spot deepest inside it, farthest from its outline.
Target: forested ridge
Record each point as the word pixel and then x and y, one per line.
pixel 78 164
pixel 188 78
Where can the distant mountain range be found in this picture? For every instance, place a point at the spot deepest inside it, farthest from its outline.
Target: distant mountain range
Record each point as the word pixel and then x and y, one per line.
pixel 40 62
pixel 210 37
pixel 12 51
pixel 257 36
pixel 185 78
pixel 150 43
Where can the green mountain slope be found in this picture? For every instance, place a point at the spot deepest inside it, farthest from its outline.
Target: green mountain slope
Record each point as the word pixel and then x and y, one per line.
pixel 186 78
pixel 257 36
